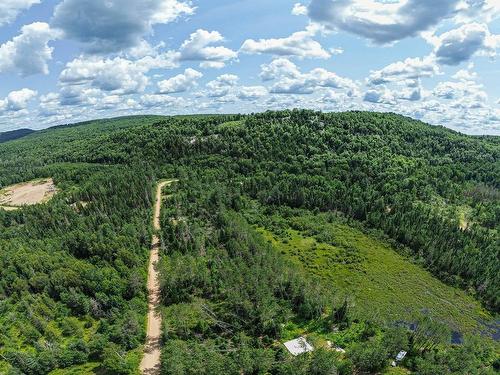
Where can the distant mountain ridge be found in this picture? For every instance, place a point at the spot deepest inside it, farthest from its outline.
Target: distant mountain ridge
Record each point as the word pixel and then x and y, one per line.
pixel 14 134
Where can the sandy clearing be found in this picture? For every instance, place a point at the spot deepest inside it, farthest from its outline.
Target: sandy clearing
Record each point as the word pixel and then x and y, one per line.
pixel 28 193
pixel 151 363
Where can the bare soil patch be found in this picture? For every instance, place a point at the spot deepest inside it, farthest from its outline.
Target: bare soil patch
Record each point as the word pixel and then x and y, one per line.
pixel 27 193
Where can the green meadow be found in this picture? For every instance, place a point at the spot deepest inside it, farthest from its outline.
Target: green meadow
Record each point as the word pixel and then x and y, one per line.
pixel 379 283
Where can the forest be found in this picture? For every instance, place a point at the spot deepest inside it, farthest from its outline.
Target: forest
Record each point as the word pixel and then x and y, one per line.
pixel 73 270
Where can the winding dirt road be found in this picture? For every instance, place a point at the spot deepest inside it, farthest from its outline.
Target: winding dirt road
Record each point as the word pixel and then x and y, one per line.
pixel 150 363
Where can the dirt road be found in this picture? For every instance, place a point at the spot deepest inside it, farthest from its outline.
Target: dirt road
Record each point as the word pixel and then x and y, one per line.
pixel 150 363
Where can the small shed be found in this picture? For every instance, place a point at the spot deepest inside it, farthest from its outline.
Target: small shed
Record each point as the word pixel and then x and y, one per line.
pixel 401 355
pixel 298 346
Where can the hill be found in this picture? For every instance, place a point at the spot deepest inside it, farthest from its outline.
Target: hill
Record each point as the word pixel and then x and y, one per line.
pixel 14 134
pixel 419 200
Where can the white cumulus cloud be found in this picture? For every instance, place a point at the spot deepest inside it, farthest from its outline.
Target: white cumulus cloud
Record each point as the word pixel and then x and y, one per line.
pixel 167 102
pixel 10 9
pixel 29 52
pixel 251 92
pixel 180 83
pixel 222 85
pixel 289 79
pixel 17 100
pixel 459 45
pixel 200 47
pixel 469 90
pixel 382 21
pixel 299 9
pixel 410 70
pixel 300 43
pixel 280 67
pixel 117 75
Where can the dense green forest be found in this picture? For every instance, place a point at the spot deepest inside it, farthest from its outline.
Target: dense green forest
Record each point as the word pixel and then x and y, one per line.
pixel 73 271
pixel 14 134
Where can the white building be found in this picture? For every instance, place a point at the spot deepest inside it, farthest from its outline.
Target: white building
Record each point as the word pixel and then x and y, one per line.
pixel 298 346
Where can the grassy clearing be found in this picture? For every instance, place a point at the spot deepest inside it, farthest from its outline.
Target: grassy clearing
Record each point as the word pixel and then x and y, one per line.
pixel 231 125
pixel 94 368
pixel 59 330
pixel 464 216
pixel 381 284
pixel 90 368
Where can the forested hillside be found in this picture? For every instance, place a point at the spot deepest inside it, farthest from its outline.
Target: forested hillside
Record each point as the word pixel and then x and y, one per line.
pixel 73 271
pixel 14 134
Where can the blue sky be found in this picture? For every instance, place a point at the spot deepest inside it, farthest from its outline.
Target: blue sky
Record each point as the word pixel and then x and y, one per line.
pixel 63 61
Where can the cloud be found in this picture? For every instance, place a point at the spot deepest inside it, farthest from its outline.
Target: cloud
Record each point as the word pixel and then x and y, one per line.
pixel 77 102
pixel 298 44
pixel 299 9
pixel 336 51
pixel 372 96
pixel 465 75
pixel 291 81
pixel 115 25
pixel 49 105
pixel 410 70
pixel 17 100
pixel 458 90
pixel 79 96
pixel 180 82
pixel 292 86
pixel 381 22
pixel 280 102
pixel 411 94
pixel 199 47
pixel 323 78
pixel 332 97
pixel 117 75
pixel 225 89
pixel 29 52
pixel 144 49
pixel 221 86
pixel 109 102
pixel 116 103
pixel 69 95
pixel 464 98
pixel 251 92
pixel 382 94
pixel 10 9
pixel 458 45
pixel 378 96
pixel 478 10
pixel 164 101
pixel 280 67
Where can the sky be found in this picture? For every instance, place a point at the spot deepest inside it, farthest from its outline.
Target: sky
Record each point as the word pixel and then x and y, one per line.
pixel 63 61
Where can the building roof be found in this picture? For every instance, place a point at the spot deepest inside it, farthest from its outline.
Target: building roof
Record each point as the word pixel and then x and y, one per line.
pixel 298 346
pixel 400 355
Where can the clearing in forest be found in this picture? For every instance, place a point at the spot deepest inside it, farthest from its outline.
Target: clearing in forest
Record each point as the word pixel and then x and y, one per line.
pixel 379 282
pixel 27 193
